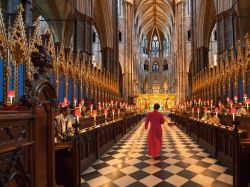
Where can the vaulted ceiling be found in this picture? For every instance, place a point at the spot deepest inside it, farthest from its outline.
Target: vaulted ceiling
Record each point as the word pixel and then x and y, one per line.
pixel 154 15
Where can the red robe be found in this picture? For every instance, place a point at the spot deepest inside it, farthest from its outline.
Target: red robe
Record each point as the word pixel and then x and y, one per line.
pixel 155 133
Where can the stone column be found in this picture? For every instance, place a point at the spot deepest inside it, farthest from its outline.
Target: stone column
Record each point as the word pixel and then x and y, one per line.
pixel 182 74
pixel 127 82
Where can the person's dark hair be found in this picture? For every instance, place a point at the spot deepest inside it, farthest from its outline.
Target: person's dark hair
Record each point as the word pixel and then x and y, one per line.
pixel 156 106
pixel 63 109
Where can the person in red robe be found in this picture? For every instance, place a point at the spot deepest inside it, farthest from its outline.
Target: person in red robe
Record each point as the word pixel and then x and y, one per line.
pixel 156 119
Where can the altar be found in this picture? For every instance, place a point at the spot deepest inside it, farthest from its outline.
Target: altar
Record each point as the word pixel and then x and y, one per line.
pixel 147 101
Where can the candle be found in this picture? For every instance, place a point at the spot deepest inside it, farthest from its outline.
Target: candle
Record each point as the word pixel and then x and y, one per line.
pixel 63 105
pixel 247 102
pixel 80 107
pixel 95 114
pixel 118 113
pixel 91 108
pixel 105 114
pixel 65 100
pixel 245 97
pixel 236 98
pixel 198 110
pixel 113 112
pixel 233 111
pixel 75 101
pixel 231 104
pixel 216 111
pixel 219 104
pixel 205 109
pixel 77 114
pixel 82 102
pixel 11 95
pixel 193 111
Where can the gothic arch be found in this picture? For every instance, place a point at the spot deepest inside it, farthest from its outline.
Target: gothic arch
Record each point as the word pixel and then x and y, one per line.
pixel 206 21
pixel 103 20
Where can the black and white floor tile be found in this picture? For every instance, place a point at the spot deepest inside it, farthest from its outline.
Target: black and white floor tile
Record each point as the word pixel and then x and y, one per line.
pixel 182 163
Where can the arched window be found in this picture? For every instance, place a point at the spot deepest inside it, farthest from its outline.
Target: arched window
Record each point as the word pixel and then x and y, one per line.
pixel 155 46
pixel 155 66
pixel 165 66
pixel 213 48
pixel 166 47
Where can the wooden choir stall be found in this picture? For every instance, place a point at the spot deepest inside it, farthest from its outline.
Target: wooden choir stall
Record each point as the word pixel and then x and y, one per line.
pixel 228 141
pixel 29 155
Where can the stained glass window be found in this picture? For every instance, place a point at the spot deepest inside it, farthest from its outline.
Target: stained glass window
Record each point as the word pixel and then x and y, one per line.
pixel 155 46
pixel 155 66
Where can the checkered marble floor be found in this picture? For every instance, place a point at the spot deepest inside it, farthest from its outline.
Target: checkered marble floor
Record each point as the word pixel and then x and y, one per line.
pixel 182 163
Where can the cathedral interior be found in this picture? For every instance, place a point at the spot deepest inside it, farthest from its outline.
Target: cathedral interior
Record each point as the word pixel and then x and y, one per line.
pixel 79 78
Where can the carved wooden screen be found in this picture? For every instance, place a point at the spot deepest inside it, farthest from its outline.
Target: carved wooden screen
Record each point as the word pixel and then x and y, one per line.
pixel 44 135
pixel 1 81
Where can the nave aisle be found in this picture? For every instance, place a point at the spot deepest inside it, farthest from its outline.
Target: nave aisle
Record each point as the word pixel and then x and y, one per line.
pixel 183 163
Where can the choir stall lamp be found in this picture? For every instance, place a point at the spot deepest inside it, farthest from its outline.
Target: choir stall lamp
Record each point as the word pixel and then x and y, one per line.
pixel 80 107
pixel 77 114
pixel 113 113
pixel 105 114
pixel 198 110
pixel 11 95
pixel 118 111
pixel 247 103
pixel 233 111
pixel 245 98
pixel 75 102
pixel 231 104
pixel 211 104
pixel 65 100
pixel 91 108
pixel 228 100
pixel 219 104
pixel 82 102
pixel 236 99
pixel 94 114
pixel 216 110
